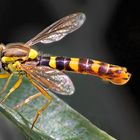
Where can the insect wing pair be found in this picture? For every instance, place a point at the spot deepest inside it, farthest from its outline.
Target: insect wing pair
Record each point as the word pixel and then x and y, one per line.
pixel 47 77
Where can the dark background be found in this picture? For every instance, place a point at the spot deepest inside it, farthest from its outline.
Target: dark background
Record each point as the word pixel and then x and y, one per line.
pixel 111 33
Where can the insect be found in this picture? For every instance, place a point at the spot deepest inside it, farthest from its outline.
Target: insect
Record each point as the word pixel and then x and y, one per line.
pixel 46 72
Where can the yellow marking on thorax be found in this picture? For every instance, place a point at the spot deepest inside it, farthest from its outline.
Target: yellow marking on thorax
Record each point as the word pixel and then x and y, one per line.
pixel 14 67
pixel 11 67
pixel 74 63
pixel 33 54
pixel 6 59
pixel 52 62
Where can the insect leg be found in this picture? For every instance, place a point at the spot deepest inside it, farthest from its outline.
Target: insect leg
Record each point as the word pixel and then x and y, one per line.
pixel 4 75
pixel 16 85
pixel 26 101
pixel 45 93
pixel 40 111
pixel 7 82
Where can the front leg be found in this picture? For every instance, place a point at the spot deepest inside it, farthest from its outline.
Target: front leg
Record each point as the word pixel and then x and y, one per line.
pixel 4 75
pixel 16 85
pixel 7 82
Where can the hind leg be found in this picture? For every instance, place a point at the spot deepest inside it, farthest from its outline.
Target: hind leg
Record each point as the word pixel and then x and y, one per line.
pixel 45 93
pixel 41 110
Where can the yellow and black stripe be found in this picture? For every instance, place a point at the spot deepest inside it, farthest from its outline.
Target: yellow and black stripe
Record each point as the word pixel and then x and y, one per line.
pixel 116 74
pixel 69 64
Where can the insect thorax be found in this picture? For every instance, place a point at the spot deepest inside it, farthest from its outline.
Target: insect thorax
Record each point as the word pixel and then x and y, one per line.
pixel 16 52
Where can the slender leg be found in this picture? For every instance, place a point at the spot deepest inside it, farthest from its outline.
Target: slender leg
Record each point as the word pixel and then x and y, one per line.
pixel 4 75
pixel 7 82
pixel 45 94
pixel 26 101
pixel 16 85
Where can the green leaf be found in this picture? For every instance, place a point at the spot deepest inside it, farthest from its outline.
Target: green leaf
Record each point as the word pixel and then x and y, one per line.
pixel 58 121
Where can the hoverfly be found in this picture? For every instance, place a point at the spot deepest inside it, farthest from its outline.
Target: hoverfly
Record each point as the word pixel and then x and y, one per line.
pixel 46 72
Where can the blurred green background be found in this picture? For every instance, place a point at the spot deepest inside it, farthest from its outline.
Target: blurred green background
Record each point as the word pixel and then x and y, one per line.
pixel 109 34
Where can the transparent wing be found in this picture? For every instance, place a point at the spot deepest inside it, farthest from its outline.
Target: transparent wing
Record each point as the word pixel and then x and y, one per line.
pixel 50 79
pixel 59 29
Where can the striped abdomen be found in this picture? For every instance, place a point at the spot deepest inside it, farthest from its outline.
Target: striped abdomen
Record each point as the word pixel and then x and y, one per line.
pixel 113 73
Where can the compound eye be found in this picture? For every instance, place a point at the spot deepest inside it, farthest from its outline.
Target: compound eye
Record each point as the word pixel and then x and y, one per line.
pixel 0 65
pixel 0 58
pixel 1 53
pixel 1 50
